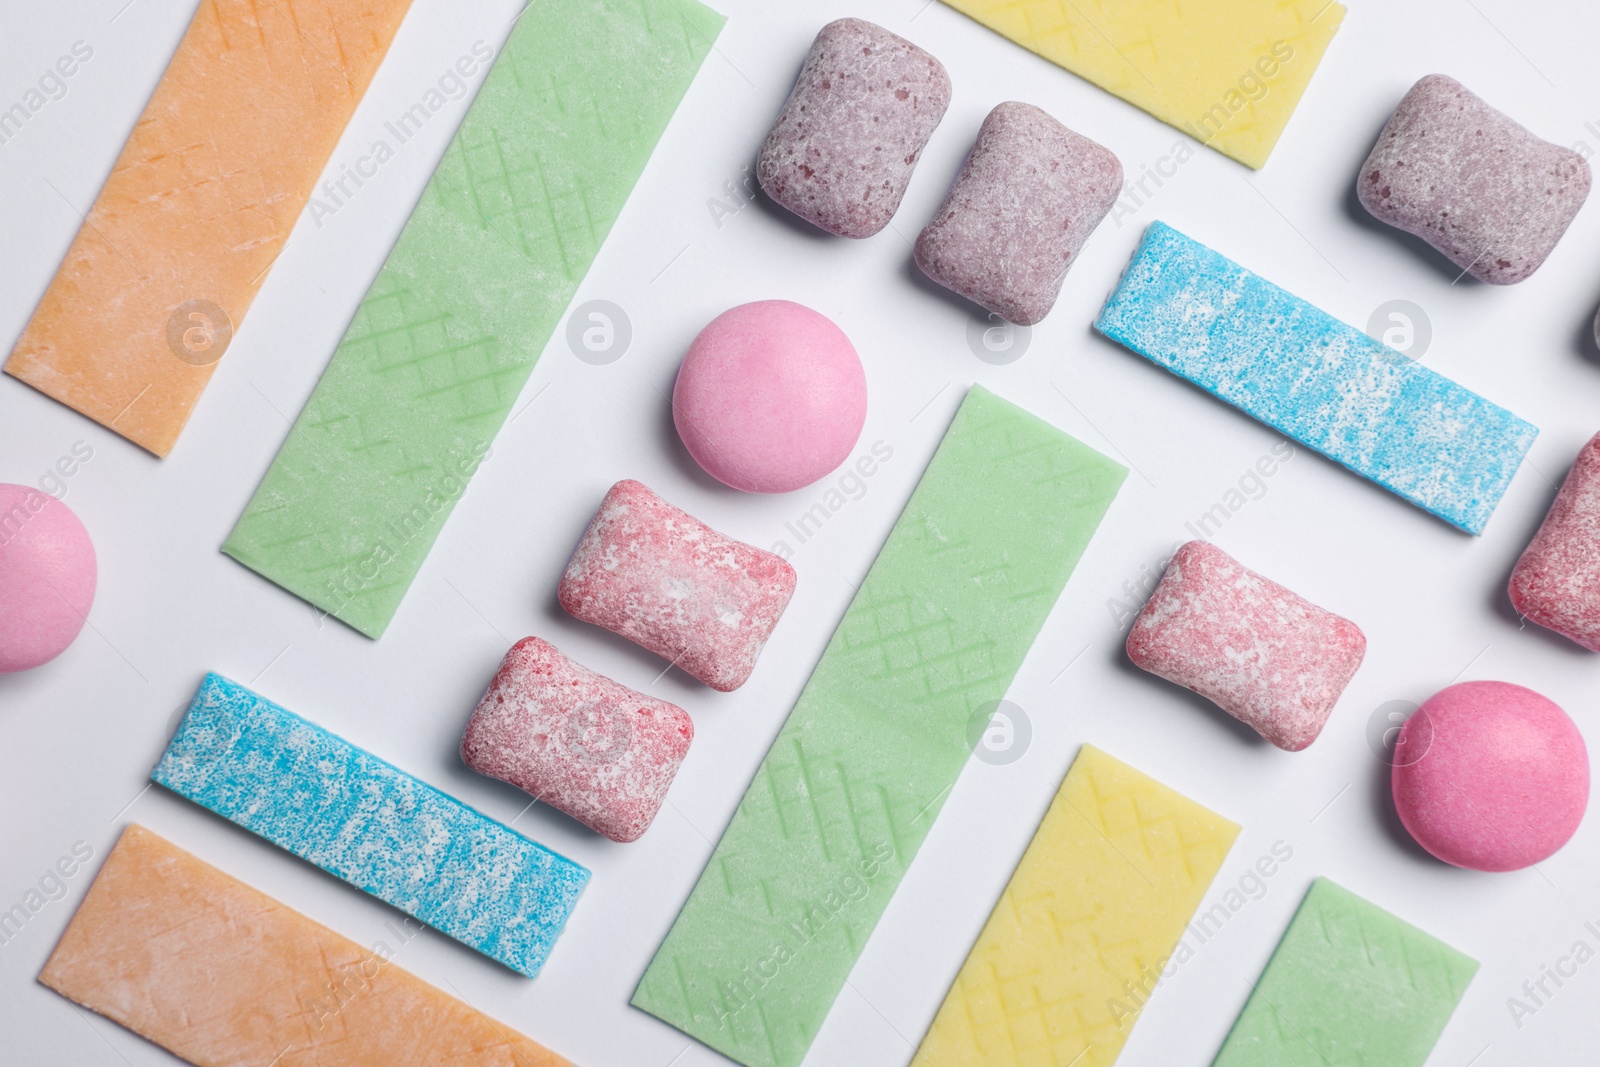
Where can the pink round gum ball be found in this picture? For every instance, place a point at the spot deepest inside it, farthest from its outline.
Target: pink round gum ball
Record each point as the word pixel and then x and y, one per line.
pixel 1497 779
pixel 771 397
pixel 47 576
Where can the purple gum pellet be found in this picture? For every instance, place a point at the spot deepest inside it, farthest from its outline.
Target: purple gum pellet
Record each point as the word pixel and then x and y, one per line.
pixel 1026 200
pixel 841 152
pixel 1488 194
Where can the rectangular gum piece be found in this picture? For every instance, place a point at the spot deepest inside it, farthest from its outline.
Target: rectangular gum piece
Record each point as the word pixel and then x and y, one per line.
pixel 856 777
pixel 1261 652
pixel 1348 984
pixel 1306 374
pixel 448 334
pixel 1086 926
pixel 1023 205
pixel 1491 196
pixel 199 204
pixel 361 819
pixel 841 152
pixel 1228 73
pixel 668 582
pixel 576 740
pixel 1556 583
pixel 222 975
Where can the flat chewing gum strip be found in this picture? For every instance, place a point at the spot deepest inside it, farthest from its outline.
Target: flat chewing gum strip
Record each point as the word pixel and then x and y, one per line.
pixel 1349 985
pixel 222 975
pixel 1228 73
pixel 856 778
pixel 1306 374
pixel 449 332
pixel 1096 907
pixel 198 206
pixel 371 824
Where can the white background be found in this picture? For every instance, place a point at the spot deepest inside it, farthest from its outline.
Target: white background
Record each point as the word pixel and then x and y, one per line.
pixel 79 736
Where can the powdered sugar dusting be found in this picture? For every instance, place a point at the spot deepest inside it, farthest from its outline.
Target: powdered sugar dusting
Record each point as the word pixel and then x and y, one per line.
pixel 1471 182
pixel 1308 375
pixel 1265 655
pixel 376 827
pixel 842 150
pixel 1027 198
pixel 577 740
pixel 1556 583
pixel 667 581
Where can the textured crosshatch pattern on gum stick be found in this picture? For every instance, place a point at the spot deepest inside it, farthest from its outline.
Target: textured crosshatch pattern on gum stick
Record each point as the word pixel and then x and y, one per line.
pixel 1349 986
pixel 371 824
pixel 858 773
pixel 222 975
pixel 1095 909
pixel 449 332
pixel 198 206
pixel 1306 374
pixel 1228 73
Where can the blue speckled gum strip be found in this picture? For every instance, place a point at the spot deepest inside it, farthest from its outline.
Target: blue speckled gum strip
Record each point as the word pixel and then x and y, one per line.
pixel 371 824
pixel 1310 376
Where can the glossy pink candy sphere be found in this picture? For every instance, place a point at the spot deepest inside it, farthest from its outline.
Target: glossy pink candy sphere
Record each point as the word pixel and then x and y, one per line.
pixel 1496 777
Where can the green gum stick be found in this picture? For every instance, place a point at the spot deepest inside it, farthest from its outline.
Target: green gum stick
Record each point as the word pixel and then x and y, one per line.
pixel 1348 986
pixel 450 330
pixel 858 773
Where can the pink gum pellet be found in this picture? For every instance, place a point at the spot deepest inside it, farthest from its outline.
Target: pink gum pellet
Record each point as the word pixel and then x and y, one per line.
pixel 576 740
pixel 1265 655
pixel 665 580
pixel 1556 583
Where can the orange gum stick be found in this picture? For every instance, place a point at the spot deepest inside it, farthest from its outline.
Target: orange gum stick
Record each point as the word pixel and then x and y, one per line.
pixel 198 206
pixel 224 976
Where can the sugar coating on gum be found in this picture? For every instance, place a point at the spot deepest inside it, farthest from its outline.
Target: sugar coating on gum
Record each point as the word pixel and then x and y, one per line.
pixel 1496 777
pixel 841 152
pixel 47 577
pixel 1262 653
pixel 577 740
pixel 1472 182
pixel 221 975
pixel 366 821
pixel 668 582
pixel 1027 198
pixel 1556 583
pixel 1325 384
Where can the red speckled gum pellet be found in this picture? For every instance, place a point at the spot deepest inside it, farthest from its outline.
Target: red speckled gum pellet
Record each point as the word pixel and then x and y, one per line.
pixel 1260 652
pixel 842 150
pixel 665 580
pixel 576 740
pixel 1556 583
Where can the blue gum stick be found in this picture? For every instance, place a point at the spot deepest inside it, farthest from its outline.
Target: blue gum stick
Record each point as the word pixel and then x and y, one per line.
pixel 1306 374
pixel 371 824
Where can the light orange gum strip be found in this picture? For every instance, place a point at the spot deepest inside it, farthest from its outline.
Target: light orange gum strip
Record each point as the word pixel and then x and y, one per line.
pixel 224 976
pixel 198 206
